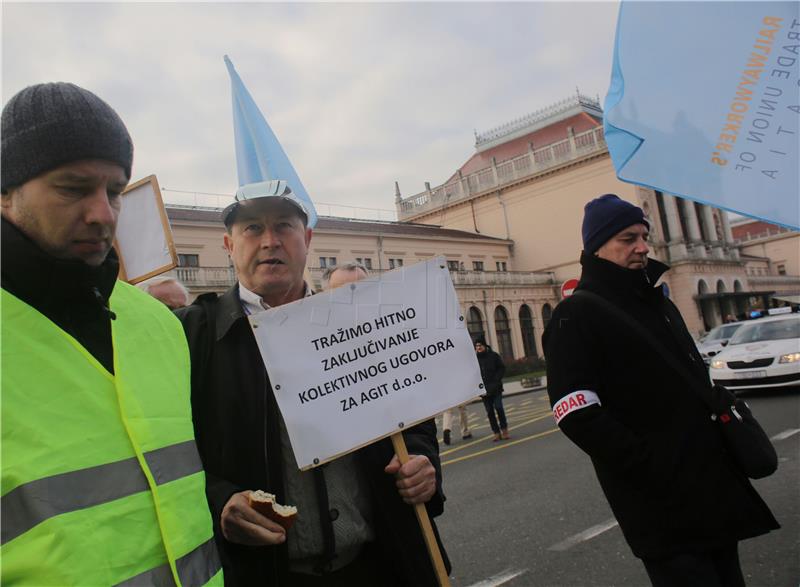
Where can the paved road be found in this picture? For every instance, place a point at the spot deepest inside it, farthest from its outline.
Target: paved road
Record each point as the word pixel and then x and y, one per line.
pixel 529 511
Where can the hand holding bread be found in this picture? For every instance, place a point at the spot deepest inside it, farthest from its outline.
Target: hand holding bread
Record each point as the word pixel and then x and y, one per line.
pixel 243 524
pixel 266 504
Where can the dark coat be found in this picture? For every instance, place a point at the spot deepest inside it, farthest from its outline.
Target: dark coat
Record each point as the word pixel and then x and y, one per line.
pixel 70 293
pixel 492 371
pixel 658 455
pixel 236 426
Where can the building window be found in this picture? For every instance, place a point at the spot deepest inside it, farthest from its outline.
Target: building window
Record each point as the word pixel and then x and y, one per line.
pixel 501 266
pixel 781 269
pixel 477 265
pixel 365 261
pixel 452 265
pixel 526 326
pixel 395 263
pixel 327 262
pixel 547 313
pixel 185 260
pixel 475 324
pixel 503 331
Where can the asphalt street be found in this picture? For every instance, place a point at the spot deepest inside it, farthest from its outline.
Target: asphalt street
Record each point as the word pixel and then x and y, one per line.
pixel 529 511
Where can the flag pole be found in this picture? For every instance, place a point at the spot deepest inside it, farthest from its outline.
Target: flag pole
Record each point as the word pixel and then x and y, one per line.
pixel 399 444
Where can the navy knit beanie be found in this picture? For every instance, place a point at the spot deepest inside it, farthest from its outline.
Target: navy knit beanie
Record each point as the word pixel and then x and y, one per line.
pixel 604 217
pixel 48 125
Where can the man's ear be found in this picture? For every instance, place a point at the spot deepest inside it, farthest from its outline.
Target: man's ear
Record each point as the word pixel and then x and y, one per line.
pixel 5 199
pixel 227 242
pixel 309 233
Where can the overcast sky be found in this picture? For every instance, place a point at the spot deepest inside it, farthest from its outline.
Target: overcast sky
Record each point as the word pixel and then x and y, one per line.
pixel 360 95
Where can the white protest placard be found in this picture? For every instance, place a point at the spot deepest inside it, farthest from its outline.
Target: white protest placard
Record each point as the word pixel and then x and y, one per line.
pixel 144 238
pixel 366 360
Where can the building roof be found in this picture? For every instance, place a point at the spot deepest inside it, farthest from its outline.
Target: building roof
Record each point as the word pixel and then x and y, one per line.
pixel 337 224
pixel 541 128
pixel 755 229
pixel 542 118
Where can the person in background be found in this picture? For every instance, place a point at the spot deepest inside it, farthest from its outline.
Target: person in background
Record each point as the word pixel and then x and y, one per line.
pixel 338 275
pixel 448 418
pixel 681 502
pixel 102 482
pixel 492 371
pixel 168 290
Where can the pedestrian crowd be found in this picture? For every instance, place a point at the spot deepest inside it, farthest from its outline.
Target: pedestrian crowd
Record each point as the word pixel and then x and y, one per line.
pixel 132 436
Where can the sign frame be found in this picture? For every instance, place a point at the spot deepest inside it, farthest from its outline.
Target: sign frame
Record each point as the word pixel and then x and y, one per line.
pixel 168 241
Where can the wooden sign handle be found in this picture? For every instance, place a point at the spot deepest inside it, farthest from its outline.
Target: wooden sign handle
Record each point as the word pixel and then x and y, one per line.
pixel 399 444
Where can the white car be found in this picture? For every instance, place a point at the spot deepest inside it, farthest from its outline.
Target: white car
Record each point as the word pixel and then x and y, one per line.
pixel 761 354
pixel 716 340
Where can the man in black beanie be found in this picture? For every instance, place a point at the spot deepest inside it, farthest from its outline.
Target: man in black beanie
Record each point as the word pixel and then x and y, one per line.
pixel 680 500
pixel 101 478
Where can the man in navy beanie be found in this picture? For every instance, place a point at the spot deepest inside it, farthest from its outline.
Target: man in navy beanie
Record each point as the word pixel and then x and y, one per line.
pixel 681 502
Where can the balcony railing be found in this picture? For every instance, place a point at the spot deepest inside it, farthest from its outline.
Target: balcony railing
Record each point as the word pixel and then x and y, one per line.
pixel 464 278
pixel 203 277
pixel 492 278
pixel 224 277
pixel 774 279
pixel 765 234
pixel 527 165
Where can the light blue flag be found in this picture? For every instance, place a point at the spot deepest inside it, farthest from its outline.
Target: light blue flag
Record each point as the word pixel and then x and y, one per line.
pixel 260 159
pixel 704 103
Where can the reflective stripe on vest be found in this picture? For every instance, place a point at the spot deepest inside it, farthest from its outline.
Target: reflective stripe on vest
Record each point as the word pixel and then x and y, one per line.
pixel 195 568
pixel 76 490
pixel 101 481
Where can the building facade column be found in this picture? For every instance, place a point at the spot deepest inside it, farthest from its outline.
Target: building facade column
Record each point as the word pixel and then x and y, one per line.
pixel 693 226
pixel 538 328
pixel 727 235
pixel 677 246
pixel 491 332
pixel 516 331
pixel 711 231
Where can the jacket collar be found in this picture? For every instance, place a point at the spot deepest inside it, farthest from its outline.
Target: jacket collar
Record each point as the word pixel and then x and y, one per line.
pixel 230 310
pixel 42 280
pixel 608 275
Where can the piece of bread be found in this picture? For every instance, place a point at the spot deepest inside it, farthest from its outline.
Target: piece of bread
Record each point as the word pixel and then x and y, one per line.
pixel 266 504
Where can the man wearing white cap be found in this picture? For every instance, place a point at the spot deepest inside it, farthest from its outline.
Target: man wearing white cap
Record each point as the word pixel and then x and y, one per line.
pixel 353 527
pixel 354 524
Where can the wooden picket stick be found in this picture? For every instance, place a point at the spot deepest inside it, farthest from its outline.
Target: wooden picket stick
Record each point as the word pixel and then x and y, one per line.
pixel 399 444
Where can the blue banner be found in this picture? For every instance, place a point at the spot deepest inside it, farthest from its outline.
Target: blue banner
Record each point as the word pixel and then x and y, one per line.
pixel 259 155
pixel 704 103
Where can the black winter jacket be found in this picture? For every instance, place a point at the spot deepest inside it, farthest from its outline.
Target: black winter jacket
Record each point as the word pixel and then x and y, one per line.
pixel 492 371
pixel 235 417
pixel 70 293
pixel 658 455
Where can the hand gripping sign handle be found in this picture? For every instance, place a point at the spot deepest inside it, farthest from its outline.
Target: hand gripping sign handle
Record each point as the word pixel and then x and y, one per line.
pixel 399 444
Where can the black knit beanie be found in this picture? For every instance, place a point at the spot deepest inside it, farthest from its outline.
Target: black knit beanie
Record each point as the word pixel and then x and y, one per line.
pixel 604 217
pixel 48 125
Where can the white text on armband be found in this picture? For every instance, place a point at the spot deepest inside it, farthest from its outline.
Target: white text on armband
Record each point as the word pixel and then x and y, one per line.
pixel 573 402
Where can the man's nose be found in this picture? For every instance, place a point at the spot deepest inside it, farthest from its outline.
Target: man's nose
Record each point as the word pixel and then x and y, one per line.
pixel 269 239
pixel 100 209
pixel 641 246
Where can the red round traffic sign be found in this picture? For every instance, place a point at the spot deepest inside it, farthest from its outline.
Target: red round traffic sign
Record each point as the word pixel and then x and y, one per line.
pixel 568 287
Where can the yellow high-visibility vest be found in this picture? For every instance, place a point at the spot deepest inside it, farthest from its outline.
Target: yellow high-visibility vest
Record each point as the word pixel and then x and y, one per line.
pixel 101 480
